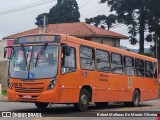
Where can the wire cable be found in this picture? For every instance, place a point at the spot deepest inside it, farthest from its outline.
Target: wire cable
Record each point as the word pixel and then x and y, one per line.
pixel 27 7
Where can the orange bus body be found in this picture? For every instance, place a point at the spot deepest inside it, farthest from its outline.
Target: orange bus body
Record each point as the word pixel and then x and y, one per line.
pixel 104 86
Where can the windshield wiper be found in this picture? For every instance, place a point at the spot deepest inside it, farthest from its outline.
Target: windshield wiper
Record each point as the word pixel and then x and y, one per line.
pixel 24 50
pixel 41 52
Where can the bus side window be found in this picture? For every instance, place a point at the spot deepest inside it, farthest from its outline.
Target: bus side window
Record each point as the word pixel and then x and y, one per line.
pixel 102 61
pixel 87 56
pixel 155 70
pixel 68 60
pixel 139 67
pixel 148 69
pixel 128 65
pixel 116 63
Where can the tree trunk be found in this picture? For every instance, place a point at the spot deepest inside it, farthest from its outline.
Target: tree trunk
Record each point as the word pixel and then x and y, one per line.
pixel 141 30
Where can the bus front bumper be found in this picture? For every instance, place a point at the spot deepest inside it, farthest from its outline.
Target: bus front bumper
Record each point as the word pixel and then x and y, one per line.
pixel 49 96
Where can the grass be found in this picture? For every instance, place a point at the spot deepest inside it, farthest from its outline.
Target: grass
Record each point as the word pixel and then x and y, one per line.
pixel 4 92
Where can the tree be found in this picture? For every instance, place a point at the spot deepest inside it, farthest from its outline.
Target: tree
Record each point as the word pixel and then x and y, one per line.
pixel 133 13
pixel 153 22
pixel 103 21
pixel 64 11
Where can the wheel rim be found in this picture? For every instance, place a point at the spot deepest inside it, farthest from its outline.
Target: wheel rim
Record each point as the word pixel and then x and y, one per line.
pixel 84 100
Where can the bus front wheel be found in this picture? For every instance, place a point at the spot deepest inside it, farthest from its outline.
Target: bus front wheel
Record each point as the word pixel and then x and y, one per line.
pixel 83 103
pixel 135 99
pixel 41 105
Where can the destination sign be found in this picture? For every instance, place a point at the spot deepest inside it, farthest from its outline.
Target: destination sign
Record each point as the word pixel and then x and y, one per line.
pixel 37 39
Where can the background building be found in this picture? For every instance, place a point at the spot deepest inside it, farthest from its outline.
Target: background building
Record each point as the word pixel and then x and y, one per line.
pixel 77 29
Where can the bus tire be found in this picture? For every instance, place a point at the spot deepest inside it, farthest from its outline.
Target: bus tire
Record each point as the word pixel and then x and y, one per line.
pixel 41 105
pixel 83 103
pixel 135 100
pixel 101 104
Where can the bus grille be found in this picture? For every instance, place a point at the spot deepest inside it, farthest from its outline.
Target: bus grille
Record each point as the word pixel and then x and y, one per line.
pixel 29 90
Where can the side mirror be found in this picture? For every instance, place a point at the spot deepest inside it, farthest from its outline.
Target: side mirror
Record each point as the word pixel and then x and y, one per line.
pixel 5 53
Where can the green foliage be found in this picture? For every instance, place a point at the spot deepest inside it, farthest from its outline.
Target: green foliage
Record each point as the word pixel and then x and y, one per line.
pixel 149 54
pixel 40 17
pixel 149 38
pixel 153 22
pixel 64 11
pixel 4 92
pixel 133 40
pixel 139 15
pixel 103 21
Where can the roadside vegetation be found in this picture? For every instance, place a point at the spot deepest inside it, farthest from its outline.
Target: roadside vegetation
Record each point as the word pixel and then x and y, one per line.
pixel 4 92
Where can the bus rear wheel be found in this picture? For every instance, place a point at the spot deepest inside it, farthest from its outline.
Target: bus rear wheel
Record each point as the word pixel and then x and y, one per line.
pixel 135 100
pixel 101 104
pixel 83 103
pixel 41 105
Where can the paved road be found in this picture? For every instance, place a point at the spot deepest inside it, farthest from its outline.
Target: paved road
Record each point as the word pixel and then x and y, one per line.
pixel 63 112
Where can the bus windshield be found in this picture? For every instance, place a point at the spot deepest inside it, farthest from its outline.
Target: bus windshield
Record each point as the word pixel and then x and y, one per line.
pixel 33 62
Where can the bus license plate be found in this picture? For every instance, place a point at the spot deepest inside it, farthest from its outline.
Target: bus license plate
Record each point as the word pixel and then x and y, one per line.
pixel 27 96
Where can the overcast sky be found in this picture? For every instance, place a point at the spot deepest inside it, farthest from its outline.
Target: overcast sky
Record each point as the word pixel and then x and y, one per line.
pixel 19 21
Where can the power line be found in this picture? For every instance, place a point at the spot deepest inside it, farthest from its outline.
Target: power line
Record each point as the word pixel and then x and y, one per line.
pixel 27 7
pixel 26 12
pixel 14 6
pixel 85 4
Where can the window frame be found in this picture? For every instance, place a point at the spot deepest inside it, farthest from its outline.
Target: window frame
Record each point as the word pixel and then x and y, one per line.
pixel 156 70
pixel 117 64
pixel 149 69
pixel 129 66
pixel 87 58
pixel 139 67
pixel 100 40
pixel 114 43
pixel 109 58
pixel 75 60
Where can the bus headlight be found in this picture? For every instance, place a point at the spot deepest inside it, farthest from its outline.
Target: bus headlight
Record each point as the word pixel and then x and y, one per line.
pixel 52 84
pixel 9 84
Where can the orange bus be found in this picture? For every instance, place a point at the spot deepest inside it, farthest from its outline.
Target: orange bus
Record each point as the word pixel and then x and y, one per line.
pixel 47 68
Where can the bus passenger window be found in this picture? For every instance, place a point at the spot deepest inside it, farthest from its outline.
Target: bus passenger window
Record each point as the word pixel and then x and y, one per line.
pixel 139 64
pixel 155 70
pixel 102 61
pixel 87 58
pixel 128 65
pixel 148 69
pixel 116 65
pixel 68 60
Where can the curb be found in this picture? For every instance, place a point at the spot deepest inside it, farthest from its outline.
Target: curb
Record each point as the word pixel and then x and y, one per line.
pixel 3 98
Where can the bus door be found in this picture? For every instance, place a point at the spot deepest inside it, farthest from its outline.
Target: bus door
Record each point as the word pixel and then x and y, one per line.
pixel 151 80
pixel 116 79
pixel 68 78
pixel 102 74
pixel 87 68
pixel 129 81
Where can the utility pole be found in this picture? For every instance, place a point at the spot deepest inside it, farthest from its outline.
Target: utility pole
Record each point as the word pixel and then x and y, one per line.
pixel 44 24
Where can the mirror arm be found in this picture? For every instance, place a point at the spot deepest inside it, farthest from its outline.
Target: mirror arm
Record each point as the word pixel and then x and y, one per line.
pixel 5 51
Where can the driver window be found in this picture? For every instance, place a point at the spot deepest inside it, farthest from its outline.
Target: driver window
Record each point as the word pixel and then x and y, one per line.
pixel 68 60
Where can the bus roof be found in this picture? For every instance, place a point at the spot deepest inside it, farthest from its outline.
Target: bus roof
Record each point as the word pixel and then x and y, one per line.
pixel 108 48
pixel 97 45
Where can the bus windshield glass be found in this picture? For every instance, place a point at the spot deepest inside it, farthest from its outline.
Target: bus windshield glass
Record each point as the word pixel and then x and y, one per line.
pixel 33 62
